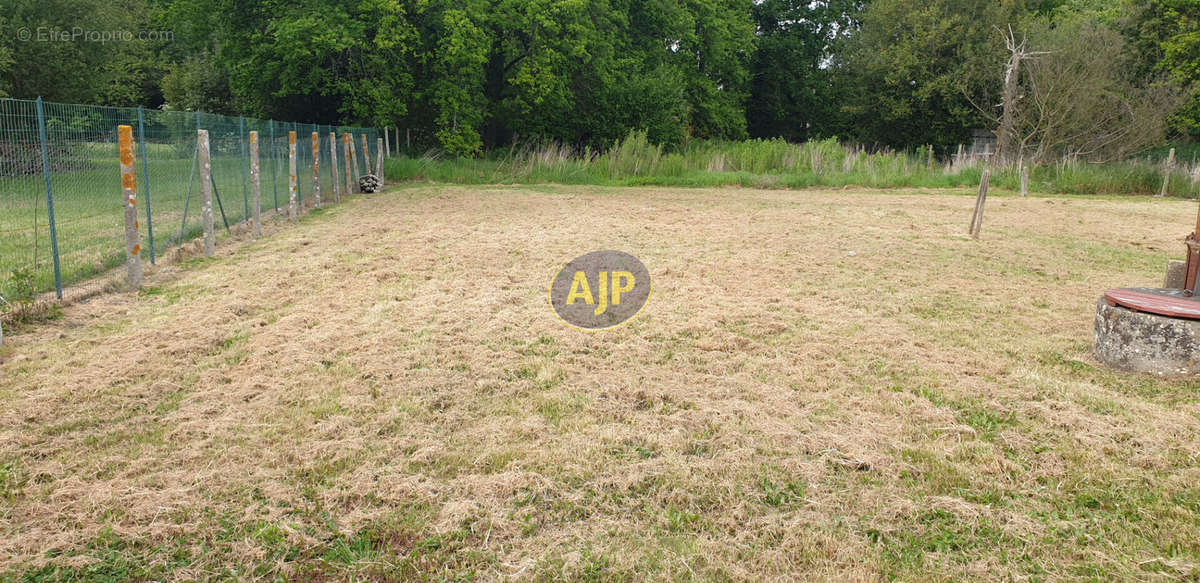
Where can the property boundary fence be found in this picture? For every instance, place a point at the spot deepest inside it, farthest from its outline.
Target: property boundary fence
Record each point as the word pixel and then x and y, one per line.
pixel 61 185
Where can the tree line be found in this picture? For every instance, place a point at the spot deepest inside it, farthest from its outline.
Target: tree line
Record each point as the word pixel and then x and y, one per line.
pixel 1093 79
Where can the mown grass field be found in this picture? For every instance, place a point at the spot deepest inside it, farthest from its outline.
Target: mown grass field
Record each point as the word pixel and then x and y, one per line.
pixel 382 393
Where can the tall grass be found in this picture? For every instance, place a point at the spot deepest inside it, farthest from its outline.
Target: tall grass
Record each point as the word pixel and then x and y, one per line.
pixel 636 161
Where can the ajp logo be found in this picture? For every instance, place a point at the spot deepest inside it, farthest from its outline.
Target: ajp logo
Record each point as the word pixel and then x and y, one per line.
pixel 600 290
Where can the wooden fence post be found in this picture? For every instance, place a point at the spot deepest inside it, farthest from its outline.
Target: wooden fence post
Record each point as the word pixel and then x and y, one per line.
pixel 206 192
pixel 366 154
pixel 379 160
pixel 133 243
pixel 1167 168
pixel 1024 180
pixel 292 211
pixel 346 145
pixel 387 141
pixel 980 203
pixel 335 179
pixel 255 186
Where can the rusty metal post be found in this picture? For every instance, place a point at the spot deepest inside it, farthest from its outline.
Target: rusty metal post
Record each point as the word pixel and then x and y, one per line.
pixel 133 243
pixel 292 211
pixel 206 192
pixel 333 168
pixel 379 160
pixel 255 186
pixel 366 155
pixel 316 149
pixel 1193 259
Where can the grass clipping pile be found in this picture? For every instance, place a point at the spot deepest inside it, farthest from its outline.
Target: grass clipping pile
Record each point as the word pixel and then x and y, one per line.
pixel 384 393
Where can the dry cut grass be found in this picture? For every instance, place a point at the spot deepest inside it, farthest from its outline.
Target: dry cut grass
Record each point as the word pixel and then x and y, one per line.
pixel 383 394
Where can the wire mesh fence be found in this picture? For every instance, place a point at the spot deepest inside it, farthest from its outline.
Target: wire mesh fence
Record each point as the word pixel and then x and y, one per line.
pixel 61 220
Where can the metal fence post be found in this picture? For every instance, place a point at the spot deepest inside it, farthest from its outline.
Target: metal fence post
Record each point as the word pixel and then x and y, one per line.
pixel 274 166
pixel 245 160
pixel 146 181
pixel 133 248
pixel 299 193
pixel 41 117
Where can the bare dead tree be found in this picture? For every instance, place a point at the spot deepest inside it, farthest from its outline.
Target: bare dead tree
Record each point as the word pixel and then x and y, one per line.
pixel 1007 139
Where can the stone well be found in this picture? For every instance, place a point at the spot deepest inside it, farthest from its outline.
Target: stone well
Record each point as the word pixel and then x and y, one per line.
pixel 1130 336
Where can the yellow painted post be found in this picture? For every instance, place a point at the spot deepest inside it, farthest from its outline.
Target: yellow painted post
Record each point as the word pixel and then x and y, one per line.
pixel 255 186
pixel 366 154
pixel 292 211
pixel 204 159
pixel 333 168
pixel 133 246
pixel 316 148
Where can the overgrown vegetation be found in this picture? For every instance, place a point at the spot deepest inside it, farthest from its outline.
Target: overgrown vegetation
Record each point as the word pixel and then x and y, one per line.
pixel 778 164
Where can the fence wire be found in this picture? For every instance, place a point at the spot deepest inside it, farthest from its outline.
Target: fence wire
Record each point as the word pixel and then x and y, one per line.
pixel 61 220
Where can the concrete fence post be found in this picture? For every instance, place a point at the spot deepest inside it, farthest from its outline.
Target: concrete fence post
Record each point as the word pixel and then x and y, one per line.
pixel 366 155
pixel 133 243
pixel 333 168
pixel 346 145
pixel 1168 167
pixel 292 211
pixel 255 186
pixel 206 192
pixel 316 151
pixel 379 160
pixel 354 161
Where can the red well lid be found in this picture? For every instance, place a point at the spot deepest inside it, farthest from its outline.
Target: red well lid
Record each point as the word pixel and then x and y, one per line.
pixel 1164 302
